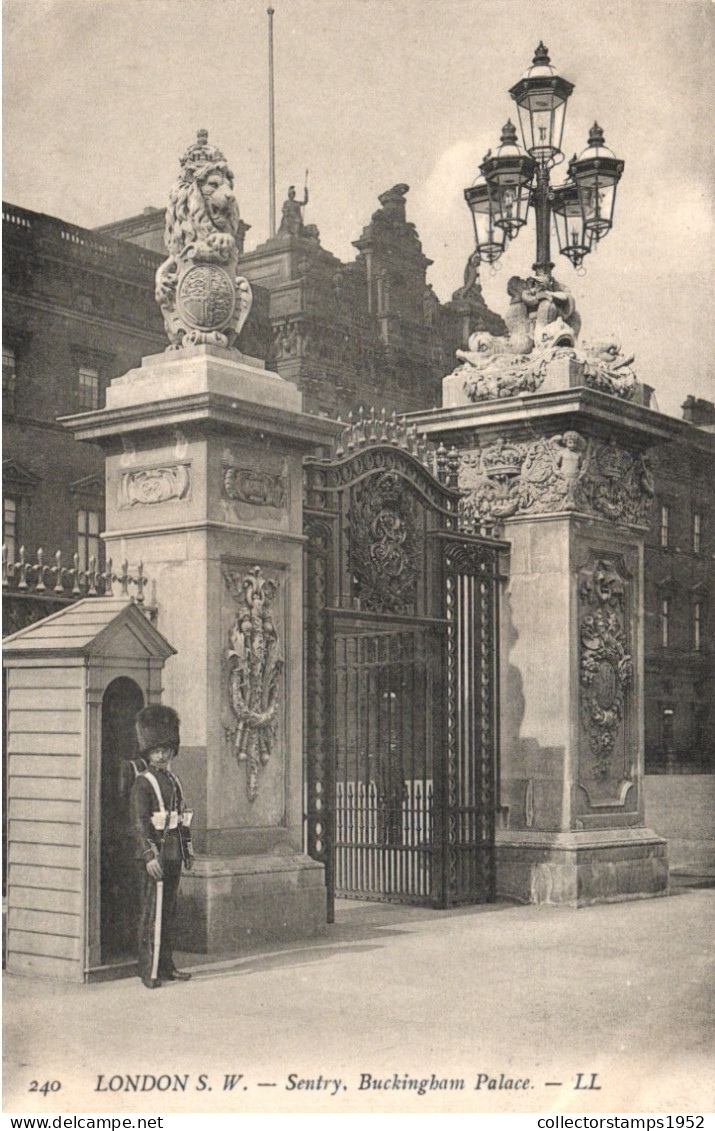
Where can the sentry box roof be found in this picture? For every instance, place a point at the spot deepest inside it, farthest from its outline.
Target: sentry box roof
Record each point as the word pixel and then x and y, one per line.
pixel 92 626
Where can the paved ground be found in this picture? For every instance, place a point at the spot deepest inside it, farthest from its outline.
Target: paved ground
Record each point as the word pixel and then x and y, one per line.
pixel 619 993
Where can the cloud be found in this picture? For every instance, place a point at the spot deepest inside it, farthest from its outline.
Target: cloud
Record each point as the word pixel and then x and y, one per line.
pixel 438 209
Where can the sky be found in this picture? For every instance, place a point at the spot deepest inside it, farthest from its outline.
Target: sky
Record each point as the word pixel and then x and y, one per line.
pixel 101 98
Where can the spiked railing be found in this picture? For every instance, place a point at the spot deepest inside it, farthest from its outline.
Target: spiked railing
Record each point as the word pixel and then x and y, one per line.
pixel 365 428
pixel 57 580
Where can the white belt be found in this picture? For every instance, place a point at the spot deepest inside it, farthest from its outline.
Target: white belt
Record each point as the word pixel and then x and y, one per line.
pixel 159 820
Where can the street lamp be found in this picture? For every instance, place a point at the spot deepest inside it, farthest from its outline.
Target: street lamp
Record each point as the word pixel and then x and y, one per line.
pixel 514 178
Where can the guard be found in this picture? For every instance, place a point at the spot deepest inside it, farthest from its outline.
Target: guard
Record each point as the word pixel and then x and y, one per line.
pixel 161 831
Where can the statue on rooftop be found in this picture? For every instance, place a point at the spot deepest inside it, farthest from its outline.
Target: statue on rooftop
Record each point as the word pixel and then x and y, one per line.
pixel 202 298
pixel 471 288
pixel 292 214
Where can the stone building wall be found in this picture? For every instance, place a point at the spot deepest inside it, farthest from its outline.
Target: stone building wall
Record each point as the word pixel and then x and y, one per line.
pixel 71 301
pixel 680 607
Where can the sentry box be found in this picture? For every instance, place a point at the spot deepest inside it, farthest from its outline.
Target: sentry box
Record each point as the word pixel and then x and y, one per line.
pixel 75 682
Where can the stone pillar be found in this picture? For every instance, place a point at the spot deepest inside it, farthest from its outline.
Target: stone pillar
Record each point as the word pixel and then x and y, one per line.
pixel 566 472
pixel 204 486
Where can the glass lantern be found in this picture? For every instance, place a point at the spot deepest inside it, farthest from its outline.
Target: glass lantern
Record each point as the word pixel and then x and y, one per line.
pixel 596 173
pixel 574 239
pixel 508 174
pixel 541 98
pixel 490 237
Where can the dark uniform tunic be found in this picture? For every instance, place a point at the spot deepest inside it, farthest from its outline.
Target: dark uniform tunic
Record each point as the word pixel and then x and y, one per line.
pixel 166 844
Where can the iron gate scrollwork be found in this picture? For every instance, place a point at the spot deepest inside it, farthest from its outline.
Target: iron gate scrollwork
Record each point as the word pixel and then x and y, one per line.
pixel 401 682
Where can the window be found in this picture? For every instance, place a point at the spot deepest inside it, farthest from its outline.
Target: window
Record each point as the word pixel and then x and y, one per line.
pixel 664 526
pixel 88 538
pixel 697 530
pixel 664 621
pixel 702 745
pixel 697 625
pixel 9 528
pixel 88 387
pixel 8 366
pixel 667 734
pixel 8 379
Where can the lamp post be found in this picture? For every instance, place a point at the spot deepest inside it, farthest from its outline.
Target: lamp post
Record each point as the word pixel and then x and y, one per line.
pixel 513 179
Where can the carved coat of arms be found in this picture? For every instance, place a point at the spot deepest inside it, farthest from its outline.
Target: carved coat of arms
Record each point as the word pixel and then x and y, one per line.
pixel 202 298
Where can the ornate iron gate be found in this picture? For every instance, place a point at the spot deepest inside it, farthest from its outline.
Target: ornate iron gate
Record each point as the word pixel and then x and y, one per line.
pixel 401 678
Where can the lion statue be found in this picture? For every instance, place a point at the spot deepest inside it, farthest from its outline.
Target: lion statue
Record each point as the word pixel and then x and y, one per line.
pixel 202 298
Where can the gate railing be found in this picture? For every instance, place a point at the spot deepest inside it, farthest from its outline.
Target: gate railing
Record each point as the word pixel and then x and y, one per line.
pixel 39 577
pixel 390 555
pixel 384 845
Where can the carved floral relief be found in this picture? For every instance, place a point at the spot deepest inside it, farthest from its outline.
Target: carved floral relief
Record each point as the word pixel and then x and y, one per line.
pixel 255 665
pixel 606 663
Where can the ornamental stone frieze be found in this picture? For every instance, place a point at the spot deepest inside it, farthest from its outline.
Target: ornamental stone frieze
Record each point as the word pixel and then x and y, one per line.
pixel 255 666
pixel 566 472
pixel 605 667
pixel 154 485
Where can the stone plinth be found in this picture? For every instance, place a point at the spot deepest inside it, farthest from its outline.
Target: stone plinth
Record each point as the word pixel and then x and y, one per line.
pixel 534 372
pixel 232 903
pixel 204 487
pixel 581 868
pixel 203 369
pixel 566 472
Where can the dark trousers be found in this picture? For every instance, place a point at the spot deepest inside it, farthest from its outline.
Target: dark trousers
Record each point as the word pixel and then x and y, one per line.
pixel 147 918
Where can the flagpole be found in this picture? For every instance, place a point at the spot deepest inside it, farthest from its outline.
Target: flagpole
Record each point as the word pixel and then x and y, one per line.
pixel 271 133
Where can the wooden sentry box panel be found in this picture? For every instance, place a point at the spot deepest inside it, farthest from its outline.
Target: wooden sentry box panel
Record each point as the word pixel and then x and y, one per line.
pixel 57 673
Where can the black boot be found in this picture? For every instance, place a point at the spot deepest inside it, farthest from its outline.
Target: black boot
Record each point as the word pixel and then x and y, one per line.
pixel 175 975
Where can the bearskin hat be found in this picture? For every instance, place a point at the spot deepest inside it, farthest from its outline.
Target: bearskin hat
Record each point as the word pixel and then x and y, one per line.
pixel 157 726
